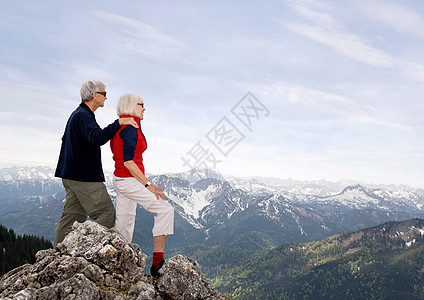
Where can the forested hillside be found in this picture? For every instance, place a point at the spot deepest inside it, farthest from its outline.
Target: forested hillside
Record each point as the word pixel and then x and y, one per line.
pixel 383 262
pixel 18 250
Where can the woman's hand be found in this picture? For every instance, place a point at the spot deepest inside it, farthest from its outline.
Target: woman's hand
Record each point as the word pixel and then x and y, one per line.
pixel 157 191
pixel 136 172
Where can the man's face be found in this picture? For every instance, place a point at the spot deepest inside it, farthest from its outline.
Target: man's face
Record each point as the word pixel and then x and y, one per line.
pixel 99 99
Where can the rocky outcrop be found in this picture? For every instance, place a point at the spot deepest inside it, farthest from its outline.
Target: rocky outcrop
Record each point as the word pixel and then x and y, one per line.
pixel 94 262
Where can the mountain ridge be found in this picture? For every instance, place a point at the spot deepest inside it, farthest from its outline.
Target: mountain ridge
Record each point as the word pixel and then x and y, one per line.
pixel 230 223
pixel 212 210
pixel 307 187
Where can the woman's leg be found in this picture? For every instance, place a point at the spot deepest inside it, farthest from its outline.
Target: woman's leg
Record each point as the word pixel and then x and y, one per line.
pixel 159 242
pixel 133 190
pixel 164 217
pixel 125 211
pixel 164 225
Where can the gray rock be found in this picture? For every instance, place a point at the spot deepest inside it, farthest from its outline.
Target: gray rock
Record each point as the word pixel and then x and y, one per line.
pixel 182 279
pixel 94 262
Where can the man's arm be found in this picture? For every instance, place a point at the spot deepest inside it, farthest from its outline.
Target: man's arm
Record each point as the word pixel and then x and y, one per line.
pixel 98 136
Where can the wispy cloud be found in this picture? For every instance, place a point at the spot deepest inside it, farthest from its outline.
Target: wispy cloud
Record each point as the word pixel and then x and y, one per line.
pixel 326 30
pixel 314 11
pixel 81 70
pixel 332 104
pixel 136 36
pixel 393 15
pixel 346 44
pixel 326 104
pixel 323 105
pixel 335 75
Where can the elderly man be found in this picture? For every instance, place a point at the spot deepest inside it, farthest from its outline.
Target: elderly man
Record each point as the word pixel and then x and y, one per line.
pixel 80 165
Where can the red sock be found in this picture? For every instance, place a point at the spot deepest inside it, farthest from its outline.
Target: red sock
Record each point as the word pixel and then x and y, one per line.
pixel 157 258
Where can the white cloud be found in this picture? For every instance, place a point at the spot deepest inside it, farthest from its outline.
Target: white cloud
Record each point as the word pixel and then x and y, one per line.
pixel 328 102
pixel 346 44
pixel 326 105
pixel 330 116
pixel 297 104
pixel 393 15
pixel 308 9
pixel 328 31
pixel 136 36
pixel 82 70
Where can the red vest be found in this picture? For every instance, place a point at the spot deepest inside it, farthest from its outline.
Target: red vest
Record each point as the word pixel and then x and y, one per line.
pixel 117 144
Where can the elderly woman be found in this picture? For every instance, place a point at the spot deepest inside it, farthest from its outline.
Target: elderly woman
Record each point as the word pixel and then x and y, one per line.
pixel 132 186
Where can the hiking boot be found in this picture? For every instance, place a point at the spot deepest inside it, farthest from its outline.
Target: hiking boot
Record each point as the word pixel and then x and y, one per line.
pixel 155 271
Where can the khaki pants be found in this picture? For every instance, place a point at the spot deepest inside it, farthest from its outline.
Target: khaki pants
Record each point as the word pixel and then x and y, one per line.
pixel 129 193
pixel 82 200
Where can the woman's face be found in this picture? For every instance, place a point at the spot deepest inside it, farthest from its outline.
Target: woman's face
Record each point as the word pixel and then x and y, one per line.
pixel 140 109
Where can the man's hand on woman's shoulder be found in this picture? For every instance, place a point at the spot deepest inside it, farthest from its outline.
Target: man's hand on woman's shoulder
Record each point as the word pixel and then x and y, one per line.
pixel 128 121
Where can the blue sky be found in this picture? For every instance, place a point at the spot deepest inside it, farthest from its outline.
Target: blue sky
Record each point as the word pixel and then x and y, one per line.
pixel 337 85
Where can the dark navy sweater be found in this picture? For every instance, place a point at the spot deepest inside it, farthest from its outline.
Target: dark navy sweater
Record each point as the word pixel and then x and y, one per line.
pixel 80 155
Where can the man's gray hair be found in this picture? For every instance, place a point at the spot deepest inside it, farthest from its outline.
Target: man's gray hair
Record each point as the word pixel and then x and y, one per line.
pixel 89 88
pixel 127 104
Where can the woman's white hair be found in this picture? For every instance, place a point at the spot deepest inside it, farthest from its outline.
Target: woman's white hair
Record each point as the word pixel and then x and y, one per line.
pixel 127 104
pixel 89 88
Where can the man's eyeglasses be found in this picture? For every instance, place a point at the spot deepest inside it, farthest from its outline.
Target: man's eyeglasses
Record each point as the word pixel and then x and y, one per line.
pixel 142 104
pixel 102 93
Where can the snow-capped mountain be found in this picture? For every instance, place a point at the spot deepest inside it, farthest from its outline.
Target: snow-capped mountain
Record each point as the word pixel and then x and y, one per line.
pixel 360 197
pixel 211 204
pixel 233 211
pixel 202 203
pixel 26 173
pixel 194 175
pixel 269 184
pixel 321 188
pixel 22 188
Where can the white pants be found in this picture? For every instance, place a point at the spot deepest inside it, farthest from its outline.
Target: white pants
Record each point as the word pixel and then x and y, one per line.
pixel 129 193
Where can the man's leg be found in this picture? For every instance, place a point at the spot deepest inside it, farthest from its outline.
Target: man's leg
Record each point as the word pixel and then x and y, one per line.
pixel 100 208
pixel 95 200
pixel 72 211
